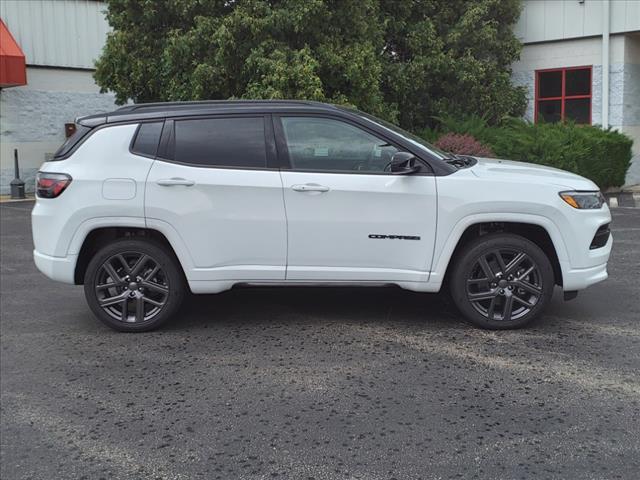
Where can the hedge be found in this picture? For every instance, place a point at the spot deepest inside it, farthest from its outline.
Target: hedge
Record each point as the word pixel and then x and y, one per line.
pixel 464 144
pixel 600 155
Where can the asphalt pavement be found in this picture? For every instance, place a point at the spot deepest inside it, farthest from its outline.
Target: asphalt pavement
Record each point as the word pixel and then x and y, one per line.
pixel 318 383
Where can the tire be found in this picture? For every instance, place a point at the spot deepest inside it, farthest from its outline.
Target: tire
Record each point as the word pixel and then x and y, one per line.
pixel 147 290
pixel 501 281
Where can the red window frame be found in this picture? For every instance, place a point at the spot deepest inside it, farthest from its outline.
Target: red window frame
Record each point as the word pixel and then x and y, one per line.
pixel 564 97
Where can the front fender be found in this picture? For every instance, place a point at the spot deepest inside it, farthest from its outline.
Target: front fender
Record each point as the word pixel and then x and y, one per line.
pixel 445 246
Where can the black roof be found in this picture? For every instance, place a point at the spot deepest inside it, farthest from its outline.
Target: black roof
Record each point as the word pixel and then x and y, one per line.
pixel 145 111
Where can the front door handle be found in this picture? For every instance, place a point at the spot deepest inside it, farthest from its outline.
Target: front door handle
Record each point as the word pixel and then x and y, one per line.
pixel 309 187
pixel 169 182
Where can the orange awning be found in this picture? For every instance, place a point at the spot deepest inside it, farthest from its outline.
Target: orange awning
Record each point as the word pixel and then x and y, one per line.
pixel 13 71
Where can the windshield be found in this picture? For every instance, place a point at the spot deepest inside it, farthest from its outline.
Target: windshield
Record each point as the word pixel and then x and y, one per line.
pixel 414 139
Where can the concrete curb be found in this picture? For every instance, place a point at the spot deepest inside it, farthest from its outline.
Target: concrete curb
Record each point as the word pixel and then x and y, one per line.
pixel 8 199
pixel 623 199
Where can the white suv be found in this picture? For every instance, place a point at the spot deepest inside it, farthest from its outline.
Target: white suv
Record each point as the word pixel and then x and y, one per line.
pixel 147 201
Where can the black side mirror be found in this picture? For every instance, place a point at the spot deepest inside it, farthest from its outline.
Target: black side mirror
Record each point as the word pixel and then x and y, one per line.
pixel 404 163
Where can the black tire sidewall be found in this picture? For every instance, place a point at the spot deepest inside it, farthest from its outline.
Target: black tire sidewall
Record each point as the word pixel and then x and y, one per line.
pixel 484 244
pixel 164 259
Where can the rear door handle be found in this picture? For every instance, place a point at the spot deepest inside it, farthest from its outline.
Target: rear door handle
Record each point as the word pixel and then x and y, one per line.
pixel 310 187
pixel 170 182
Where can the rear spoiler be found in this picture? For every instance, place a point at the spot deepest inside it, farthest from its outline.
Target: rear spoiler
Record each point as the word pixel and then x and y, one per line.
pixel 92 121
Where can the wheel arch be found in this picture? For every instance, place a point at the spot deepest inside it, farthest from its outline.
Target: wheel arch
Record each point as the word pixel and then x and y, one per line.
pixel 101 236
pixel 546 238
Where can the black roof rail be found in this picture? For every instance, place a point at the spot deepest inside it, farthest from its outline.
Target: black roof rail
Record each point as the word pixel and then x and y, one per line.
pixel 211 103
pixel 150 111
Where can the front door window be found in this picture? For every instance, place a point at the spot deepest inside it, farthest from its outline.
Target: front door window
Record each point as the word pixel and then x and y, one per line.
pixel 327 145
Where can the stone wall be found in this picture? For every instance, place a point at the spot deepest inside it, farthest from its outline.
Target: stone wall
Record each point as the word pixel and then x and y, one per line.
pixel 631 118
pixel 32 119
pixel 616 93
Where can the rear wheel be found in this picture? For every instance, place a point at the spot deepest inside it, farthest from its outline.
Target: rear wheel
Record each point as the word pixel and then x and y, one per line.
pixel 133 285
pixel 502 281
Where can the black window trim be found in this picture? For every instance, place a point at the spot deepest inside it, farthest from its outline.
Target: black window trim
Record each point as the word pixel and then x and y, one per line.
pixel 283 150
pixel 71 148
pixel 167 141
pixel 275 155
pixel 74 147
pixel 135 136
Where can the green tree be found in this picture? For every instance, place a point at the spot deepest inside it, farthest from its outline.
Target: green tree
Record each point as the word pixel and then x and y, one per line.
pixel 406 61
pixel 451 57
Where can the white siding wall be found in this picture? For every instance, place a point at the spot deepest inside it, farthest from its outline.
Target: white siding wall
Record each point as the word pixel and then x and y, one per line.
pixel 545 20
pixel 61 33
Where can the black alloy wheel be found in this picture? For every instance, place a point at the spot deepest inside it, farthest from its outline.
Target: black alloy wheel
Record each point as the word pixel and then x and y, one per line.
pixel 133 285
pixel 501 281
pixel 504 284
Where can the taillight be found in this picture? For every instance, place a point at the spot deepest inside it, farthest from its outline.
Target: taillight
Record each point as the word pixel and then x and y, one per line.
pixel 51 185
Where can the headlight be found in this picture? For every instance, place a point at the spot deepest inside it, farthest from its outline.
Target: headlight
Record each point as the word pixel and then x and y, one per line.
pixel 583 200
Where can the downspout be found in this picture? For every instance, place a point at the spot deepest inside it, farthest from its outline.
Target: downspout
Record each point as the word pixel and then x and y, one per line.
pixel 605 63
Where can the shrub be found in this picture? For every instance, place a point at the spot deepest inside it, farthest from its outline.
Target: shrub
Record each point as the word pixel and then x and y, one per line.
pixel 609 156
pixel 603 156
pixel 463 144
pixel 470 124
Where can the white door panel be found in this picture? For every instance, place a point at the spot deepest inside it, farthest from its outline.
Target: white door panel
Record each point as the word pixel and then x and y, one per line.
pixel 342 226
pixel 232 221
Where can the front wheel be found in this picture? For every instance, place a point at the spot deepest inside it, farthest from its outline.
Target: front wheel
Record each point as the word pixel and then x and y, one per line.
pixel 133 285
pixel 501 281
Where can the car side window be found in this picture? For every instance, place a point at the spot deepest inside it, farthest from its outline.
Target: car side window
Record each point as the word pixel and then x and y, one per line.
pixel 325 144
pixel 147 139
pixel 221 142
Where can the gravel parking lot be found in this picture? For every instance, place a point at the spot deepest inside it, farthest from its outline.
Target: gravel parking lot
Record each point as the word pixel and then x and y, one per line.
pixel 318 383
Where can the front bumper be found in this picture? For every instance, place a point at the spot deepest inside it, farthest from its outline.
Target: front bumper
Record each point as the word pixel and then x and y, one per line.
pixel 581 278
pixel 61 269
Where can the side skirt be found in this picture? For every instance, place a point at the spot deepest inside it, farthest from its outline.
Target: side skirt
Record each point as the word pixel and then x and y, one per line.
pixel 217 286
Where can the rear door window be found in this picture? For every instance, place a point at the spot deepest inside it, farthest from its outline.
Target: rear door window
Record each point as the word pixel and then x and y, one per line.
pixel 221 142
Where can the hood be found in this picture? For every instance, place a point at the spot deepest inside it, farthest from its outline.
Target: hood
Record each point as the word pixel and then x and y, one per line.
pixel 531 173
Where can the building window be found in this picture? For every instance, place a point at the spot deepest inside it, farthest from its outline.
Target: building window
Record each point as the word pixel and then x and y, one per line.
pixel 564 94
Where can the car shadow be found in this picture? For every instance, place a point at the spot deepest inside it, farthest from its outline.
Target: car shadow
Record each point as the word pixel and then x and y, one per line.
pixel 317 305
pixel 288 306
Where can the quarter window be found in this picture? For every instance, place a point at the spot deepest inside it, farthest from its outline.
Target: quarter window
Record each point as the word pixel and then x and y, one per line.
pixel 324 144
pixel 147 139
pixel 564 94
pixel 221 142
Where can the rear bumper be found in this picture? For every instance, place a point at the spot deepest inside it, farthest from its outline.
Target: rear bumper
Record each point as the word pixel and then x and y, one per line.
pixel 61 269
